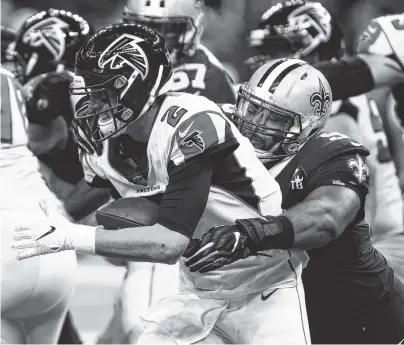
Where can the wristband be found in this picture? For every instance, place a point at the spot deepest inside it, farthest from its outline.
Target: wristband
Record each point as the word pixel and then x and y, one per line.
pixel 269 233
pixel 84 239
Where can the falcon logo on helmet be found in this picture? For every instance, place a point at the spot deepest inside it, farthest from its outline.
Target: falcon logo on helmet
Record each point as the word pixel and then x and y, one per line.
pixel 125 51
pixel 321 101
pixel 48 33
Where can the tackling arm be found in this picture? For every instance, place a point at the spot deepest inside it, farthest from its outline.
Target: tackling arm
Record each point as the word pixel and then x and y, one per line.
pixel 322 216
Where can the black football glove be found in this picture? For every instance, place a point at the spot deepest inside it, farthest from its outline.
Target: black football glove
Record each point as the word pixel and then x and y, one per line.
pixel 48 97
pixel 219 246
pixel 225 244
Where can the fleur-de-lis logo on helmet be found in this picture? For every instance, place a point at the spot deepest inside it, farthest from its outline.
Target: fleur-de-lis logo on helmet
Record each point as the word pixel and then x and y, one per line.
pixel 321 101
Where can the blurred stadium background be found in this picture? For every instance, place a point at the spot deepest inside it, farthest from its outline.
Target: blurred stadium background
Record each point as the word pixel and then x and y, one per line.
pixel 232 18
pixel 98 281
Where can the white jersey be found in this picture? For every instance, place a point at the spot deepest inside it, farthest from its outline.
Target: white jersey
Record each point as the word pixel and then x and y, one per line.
pixel 187 126
pixel 386 214
pixel 21 183
pixel 36 292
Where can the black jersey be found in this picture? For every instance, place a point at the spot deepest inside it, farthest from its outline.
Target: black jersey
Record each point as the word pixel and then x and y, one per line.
pixel 351 261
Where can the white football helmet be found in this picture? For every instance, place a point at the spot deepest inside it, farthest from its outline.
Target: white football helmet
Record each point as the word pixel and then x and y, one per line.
pixel 285 102
pixel 180 22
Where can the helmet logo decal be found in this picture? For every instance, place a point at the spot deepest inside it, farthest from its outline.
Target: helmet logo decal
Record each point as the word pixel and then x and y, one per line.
pixel 48 33
pixel 125 51
pixel 321 101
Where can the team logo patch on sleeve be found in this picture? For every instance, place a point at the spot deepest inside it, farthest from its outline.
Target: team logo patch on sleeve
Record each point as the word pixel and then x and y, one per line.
pixel 195 136
pixel 359 168
pixel 194 139
pixel 49 34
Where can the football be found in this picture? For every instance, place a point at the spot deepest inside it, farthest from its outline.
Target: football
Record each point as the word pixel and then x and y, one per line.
pixel 127 213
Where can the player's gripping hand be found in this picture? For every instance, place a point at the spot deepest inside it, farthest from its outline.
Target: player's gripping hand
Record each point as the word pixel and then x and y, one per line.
pixel 48 235
pixel 384 36
pixel 219 246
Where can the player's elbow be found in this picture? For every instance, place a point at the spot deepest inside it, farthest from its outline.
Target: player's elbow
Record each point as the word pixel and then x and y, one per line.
pixel 173 249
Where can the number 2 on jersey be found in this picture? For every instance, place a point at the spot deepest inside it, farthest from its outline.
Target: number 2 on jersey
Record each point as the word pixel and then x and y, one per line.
pixel 174 115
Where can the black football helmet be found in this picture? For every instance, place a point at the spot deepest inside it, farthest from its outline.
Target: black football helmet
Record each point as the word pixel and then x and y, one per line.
pixel 123 67
pixel 47 40
pixel 295 29
pixel 7 36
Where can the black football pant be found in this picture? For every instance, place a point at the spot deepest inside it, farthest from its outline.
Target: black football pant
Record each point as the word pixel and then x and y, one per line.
pixel 338 320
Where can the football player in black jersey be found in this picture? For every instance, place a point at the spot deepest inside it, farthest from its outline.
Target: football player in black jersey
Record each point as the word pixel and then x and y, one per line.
pixel 352 295
pixel 43 51
pixel 181 22
pixel 300 28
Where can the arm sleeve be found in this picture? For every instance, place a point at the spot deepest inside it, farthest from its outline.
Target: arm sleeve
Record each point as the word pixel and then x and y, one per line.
pixel 205 134
pixel 186 195
pixel 349 171
pixel 347 77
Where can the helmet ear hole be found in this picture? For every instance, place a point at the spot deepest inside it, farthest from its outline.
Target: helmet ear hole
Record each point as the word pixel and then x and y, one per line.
pixel 120 82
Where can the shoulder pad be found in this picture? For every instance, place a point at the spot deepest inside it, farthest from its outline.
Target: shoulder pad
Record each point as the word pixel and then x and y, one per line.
pixel 327 146
pixel 227 109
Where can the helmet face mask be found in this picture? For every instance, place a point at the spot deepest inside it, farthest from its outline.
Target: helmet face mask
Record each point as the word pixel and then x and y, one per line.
pixel 262 121
pixel 100 114
pixel 284 104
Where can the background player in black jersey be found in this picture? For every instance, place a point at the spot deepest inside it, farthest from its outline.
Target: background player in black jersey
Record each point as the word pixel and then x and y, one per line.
pixel 300 28
pixel 43 68
pixel 181 22
pixel 307 30
pixel 352 294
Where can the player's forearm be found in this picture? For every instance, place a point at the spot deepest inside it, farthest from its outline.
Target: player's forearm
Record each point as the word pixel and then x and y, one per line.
pixel 385 71
pixel 147 244
pixel 317 223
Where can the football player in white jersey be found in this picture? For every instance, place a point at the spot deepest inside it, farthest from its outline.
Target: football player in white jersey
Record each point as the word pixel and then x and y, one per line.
pixel 195 70
pixel 147 142
pixel 35 294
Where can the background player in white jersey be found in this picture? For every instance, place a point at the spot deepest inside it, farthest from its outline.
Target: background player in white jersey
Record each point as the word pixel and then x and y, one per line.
pixel 353 296
pixel 197 71
pixel 34 295
pixel 180 147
